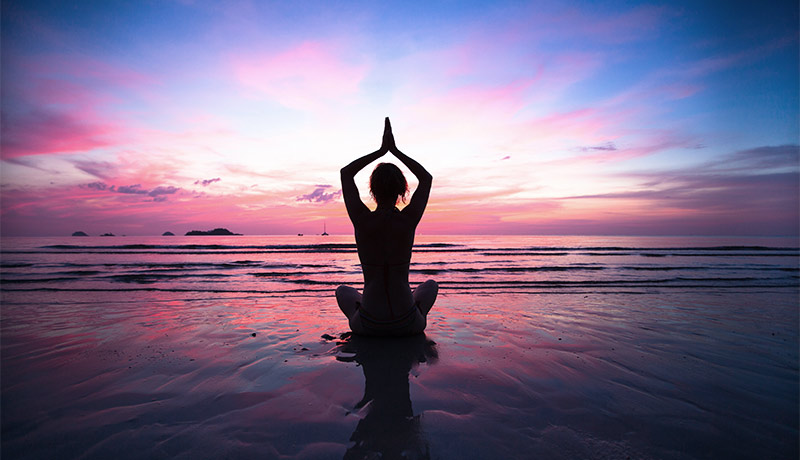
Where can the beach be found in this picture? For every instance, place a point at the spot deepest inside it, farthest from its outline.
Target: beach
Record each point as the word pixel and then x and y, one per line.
pixel 595 207
pixel 647 349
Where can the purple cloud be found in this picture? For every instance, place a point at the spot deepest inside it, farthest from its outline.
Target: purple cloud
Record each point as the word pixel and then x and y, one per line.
pixel 606 147
pixel 319 195
pixel 100 169
pixel 161 190
pixel 207 182
pixel 97 186
pixel 765 157
pixel 755 189
pixel 159 193
pixel 135 189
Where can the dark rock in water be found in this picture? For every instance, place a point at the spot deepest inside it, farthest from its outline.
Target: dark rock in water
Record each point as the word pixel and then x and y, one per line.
pixel 253 334
pixel 107 234
pixel 79 234
pixel 327 337
pixel 167 234
pixel 216 231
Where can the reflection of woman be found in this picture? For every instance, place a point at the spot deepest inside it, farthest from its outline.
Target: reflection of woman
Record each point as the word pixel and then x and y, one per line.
pixel 390 429
pixel 384 238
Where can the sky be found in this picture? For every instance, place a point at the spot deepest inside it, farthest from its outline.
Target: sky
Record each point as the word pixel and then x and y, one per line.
pixel 596 118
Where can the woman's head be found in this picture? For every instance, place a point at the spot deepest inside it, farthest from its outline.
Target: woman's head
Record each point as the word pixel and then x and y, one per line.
pixel 387 184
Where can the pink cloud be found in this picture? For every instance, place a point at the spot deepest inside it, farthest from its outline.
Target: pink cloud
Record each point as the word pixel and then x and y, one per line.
pixel 43 132
pixel 688 202
pixel 480 100
pixel 63 210
pixel 653 143
pixel 586 120
pixel 510 113
pixel 99 169
pixel 55 104
pixel 754 191
pixel 504 70
pixel 304 77
pixel 704 205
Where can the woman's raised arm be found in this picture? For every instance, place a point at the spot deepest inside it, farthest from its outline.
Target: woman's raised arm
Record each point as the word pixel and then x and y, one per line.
pixel 413 166
pixel 419 200
pixel 352 200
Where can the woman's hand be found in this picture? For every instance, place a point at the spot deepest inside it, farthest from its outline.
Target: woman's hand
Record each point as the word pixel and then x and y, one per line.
pixel 388 138
pixel 387 145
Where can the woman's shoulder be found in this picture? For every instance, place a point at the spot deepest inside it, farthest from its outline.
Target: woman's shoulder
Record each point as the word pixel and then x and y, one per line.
pixel 381 217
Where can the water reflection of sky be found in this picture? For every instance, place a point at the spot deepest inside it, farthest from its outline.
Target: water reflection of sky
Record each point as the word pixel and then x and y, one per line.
pixel 548 374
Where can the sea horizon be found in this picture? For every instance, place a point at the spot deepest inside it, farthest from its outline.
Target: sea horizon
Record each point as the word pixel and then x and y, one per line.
pixel 418 234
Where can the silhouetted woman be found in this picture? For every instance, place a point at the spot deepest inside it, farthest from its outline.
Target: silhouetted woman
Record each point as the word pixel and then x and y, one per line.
pixel 384 238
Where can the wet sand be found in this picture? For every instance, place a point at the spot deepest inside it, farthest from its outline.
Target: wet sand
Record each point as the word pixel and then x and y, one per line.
pixel 557 376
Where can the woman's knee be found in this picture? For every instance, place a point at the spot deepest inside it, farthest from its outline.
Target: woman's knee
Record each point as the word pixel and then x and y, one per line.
pixel 346 292
pixel 429 288
pixel 348 299
pixel 425 296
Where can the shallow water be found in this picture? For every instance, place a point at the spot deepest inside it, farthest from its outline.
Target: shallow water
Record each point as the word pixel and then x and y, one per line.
pixel 314 265
pixel 642 373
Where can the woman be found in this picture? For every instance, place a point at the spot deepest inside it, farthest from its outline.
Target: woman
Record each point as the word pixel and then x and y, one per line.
pixel 384 238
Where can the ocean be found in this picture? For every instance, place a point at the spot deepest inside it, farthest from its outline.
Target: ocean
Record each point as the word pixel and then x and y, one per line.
pixel 557 347
pixel 315 265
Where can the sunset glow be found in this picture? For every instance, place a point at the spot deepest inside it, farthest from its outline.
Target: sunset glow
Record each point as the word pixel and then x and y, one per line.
pixel 539 118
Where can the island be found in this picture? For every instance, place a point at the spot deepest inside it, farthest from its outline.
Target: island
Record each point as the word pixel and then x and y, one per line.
pixel 215 232
pixel 79 234
pixel 107 234
pixel 167 234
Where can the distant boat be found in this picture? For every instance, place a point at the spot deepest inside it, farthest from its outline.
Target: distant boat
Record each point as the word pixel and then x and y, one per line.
pixel 299 234
pixel 324 229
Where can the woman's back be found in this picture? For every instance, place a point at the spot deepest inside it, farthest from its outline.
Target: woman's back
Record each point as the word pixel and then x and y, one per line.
pixel 384 238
